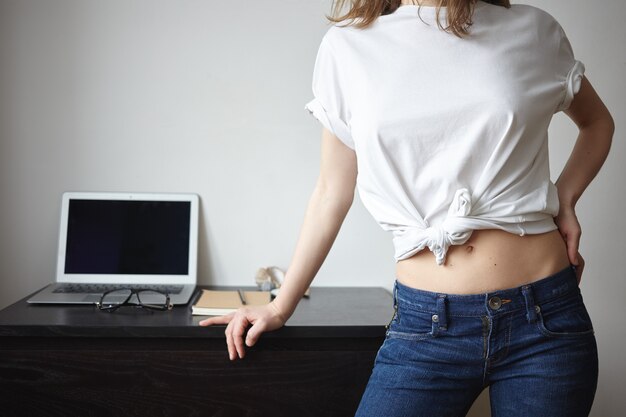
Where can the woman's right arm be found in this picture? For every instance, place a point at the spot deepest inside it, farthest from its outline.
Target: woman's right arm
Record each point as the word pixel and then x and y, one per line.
pixel 596 127
pixel 330 201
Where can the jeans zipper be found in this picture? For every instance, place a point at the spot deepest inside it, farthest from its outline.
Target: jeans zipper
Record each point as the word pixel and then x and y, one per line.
pixel 485 320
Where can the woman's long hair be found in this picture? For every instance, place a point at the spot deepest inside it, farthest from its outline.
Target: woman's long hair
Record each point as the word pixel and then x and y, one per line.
pixel 459 12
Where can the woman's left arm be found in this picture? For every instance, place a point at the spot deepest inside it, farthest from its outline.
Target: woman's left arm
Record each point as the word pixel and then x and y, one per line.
pixel 596 128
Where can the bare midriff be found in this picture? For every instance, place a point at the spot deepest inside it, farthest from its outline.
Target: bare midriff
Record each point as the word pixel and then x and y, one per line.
pixel 490 260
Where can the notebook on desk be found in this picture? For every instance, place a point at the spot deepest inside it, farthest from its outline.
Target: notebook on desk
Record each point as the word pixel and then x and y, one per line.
pixel 124 240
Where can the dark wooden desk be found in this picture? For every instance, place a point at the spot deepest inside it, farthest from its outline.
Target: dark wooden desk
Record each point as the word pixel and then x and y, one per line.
pixel 79 361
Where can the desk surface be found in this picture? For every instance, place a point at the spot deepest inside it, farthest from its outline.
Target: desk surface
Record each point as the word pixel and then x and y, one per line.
pixel 328 312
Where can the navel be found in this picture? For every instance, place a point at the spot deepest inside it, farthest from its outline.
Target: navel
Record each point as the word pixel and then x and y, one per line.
pixel 469 248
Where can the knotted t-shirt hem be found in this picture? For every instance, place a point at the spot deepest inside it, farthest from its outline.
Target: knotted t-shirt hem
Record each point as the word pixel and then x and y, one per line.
pixel 411 240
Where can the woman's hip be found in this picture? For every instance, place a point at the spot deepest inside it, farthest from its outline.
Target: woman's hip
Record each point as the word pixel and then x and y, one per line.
pixel 443 345
pixel 490 326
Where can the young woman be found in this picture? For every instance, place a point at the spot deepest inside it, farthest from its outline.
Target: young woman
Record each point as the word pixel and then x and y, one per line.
pixel 438 113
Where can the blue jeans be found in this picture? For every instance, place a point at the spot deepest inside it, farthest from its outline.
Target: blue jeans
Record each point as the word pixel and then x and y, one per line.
pixel 533 346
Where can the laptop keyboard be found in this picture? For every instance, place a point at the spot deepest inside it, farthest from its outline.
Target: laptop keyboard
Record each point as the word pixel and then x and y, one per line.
pixel 101 288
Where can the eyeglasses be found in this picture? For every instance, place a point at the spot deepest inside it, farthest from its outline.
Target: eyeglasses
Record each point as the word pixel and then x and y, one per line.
pixel 150 299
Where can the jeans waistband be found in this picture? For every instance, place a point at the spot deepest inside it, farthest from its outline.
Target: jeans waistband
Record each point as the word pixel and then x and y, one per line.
pixel 495 302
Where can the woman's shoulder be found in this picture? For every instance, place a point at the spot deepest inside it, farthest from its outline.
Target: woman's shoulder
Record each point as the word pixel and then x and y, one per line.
pixel 537 14
pixel 339 37
pixel 340 30
pixel 521 17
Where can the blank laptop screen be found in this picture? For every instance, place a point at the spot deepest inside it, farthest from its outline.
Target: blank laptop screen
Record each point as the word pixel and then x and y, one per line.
pixel 128 237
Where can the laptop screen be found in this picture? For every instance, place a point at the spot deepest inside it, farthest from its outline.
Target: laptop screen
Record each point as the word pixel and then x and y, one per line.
pixel 127 237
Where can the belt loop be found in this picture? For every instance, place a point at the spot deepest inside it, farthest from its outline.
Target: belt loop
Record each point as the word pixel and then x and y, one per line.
pixel 442 317
pixel 531 313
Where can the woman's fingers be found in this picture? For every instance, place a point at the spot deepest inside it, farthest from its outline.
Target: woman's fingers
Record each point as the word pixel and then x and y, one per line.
pixel 239 328
pixel 236 325
pixel 261 319
pixel 579 267
pixel 570 230
pixel 255 332
pixel 229 341
pixel 572 247
pixel 217 320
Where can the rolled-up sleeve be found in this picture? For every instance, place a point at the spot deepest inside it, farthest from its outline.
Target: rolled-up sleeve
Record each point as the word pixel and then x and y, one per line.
pixel 329 102
pixel 569 70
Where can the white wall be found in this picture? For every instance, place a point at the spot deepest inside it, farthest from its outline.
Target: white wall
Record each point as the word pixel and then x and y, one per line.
pixel 208 97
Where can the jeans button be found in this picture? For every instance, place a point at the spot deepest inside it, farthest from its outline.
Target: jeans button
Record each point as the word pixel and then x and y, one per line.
pixel 495 303
pixel 435 318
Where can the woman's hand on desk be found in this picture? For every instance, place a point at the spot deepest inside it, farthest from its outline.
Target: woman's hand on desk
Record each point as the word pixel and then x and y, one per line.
pixel 262 318
pixel 328 205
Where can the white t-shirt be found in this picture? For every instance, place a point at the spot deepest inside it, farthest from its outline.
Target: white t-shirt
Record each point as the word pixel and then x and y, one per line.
pixel 450 134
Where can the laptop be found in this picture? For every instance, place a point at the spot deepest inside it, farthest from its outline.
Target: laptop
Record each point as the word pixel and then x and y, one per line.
pixel 124 240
